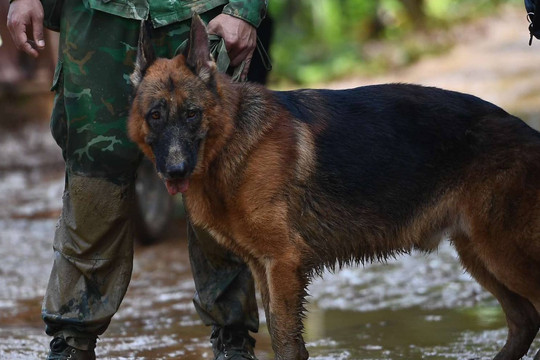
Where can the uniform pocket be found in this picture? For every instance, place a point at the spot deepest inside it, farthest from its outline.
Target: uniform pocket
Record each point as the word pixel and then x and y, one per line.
pixel 58 123
pixel 130 9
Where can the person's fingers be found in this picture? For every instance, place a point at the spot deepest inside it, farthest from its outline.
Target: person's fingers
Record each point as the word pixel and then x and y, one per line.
pixel 29 49
pixel 243 76
pixel 237 56
pixel 245 56
pixel 18 32
pixel 37 27
pixel 214 27
pixel 240 37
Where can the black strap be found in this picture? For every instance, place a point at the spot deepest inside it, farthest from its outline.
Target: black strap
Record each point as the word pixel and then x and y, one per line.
pixel 533 6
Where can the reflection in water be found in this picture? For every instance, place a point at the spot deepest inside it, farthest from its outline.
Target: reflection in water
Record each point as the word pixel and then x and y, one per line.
pixel 411 333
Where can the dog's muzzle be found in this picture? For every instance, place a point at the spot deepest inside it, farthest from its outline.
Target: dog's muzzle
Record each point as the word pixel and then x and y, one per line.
pixel 177 178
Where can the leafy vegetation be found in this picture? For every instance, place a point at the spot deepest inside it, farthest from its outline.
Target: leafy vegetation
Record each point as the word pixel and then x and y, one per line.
pixel 320 40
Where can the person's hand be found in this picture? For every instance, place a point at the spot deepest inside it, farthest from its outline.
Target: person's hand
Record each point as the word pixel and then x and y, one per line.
pixel 25 23
pixel 240 39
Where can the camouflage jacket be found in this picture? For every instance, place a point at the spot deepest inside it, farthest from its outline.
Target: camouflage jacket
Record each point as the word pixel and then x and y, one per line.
pixel 165 12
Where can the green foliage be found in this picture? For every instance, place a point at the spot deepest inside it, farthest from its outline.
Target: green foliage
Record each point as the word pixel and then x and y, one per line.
pixel 320 40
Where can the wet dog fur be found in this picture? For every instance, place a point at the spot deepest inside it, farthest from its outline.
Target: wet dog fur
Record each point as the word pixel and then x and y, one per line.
pixel 297 181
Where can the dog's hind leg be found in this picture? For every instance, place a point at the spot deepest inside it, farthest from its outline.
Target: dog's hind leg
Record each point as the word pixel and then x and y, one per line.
pixel 521 316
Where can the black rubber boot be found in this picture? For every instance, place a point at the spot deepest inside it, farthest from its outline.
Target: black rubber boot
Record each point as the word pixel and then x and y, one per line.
pixel 60 350
pixel 232 344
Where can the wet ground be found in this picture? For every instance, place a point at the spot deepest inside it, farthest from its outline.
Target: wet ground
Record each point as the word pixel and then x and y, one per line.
pixel 413 307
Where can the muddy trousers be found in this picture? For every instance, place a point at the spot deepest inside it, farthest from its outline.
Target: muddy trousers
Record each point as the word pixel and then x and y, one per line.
pixel 93 244
pixel 93 258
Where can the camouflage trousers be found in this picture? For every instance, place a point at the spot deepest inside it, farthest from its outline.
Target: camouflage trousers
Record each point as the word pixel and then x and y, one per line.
pixel 93 243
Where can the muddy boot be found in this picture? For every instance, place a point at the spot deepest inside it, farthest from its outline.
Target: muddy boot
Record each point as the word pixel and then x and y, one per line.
pixel 60 350
pixel 232 344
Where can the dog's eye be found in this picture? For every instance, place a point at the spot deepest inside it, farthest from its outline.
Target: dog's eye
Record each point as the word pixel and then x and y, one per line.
pixel 156 115
pixel 191 115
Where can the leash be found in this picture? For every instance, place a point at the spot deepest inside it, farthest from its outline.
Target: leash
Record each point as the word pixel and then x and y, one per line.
pixel 218 50
pixel 534 22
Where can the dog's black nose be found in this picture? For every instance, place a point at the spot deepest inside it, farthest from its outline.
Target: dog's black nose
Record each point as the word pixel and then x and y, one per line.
pixel 177 171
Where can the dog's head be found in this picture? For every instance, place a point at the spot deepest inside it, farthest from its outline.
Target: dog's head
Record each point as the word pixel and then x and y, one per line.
pixel 173 102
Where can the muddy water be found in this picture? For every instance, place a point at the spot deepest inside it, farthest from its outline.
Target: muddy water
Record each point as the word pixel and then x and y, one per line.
pixel 413 307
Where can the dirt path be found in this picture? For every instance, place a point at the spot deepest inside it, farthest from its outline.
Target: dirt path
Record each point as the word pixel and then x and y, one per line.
pixel 492 60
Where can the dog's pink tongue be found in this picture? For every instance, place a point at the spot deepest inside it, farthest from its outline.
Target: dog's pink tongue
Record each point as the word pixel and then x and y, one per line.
pixel 177 186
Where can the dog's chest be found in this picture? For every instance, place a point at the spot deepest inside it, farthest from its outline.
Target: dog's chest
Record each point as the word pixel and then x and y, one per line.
pixel 203 208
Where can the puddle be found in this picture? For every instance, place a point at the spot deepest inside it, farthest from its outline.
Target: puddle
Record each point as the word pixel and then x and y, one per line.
pixel 412 307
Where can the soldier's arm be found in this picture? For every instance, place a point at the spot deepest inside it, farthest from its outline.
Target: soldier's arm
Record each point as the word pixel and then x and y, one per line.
pixel 25 24
pixel 237 26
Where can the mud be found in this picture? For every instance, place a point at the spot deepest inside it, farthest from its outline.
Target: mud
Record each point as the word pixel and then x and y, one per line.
pixel 413 307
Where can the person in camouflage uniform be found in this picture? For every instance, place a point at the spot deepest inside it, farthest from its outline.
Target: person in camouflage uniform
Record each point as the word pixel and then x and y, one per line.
pixel 93 244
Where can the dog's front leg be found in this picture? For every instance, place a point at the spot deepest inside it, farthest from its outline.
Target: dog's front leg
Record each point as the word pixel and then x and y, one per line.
pixel 258 270
pixel 285 296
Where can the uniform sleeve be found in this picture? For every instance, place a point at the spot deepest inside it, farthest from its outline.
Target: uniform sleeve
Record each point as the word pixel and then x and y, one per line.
pixel 252 11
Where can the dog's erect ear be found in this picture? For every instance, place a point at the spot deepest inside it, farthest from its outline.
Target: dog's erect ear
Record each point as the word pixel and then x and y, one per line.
pixel 145 54
pixel 197 52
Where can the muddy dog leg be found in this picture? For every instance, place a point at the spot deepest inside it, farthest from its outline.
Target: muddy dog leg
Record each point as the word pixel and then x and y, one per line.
pixel 258 271
pixel 521 316
pixel 285 297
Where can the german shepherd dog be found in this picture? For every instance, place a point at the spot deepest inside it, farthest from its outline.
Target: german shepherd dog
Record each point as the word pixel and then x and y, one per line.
pixel 297 181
